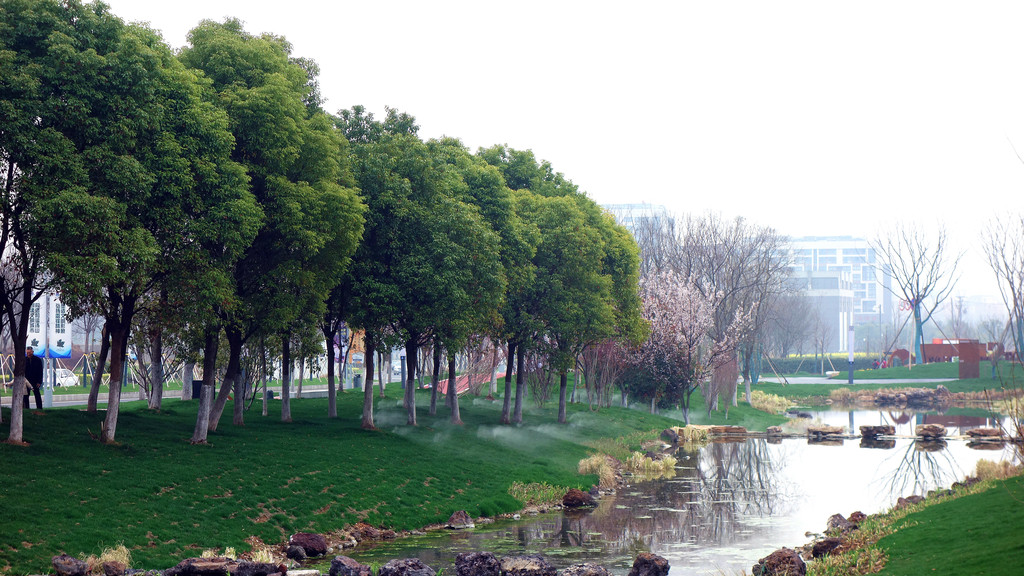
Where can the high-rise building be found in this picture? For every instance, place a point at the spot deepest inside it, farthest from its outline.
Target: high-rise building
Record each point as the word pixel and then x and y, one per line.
pixel 853 256
pixel 841 273
pixel 630 215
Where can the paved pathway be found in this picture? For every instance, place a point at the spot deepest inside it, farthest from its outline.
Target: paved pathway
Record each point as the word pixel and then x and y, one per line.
pixel 840 381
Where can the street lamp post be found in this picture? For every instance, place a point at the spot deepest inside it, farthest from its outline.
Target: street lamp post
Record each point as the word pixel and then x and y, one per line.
pixel 850 340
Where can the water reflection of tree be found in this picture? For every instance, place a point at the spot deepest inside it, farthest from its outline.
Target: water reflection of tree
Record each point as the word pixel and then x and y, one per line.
pixel 714 490
pixel 923 466
pixel 705 504
pixel 737 480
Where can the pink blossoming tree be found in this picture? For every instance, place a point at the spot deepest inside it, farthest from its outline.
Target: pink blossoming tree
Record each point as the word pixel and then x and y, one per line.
pixel 680 354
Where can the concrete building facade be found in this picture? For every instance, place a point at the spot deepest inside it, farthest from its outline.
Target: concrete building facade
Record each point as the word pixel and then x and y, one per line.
pixel 841 274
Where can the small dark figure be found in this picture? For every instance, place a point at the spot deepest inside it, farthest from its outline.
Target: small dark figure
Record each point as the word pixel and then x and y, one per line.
pixel 34 375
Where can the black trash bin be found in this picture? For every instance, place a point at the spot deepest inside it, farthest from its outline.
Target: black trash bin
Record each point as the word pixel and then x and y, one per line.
pixel 197 389
pixel 357 381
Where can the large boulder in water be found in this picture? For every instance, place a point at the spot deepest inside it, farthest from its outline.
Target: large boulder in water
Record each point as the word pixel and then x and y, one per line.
pixel 576 498
pixel 782 562
pixel 214 566
pixel 246 568
pixel 345 566
pixel 822 430
pixel 459 520
pixel 529 565
pixel 647 564
pixel 477 564
pixel 406 567
pixel 586 569
pixel 930 430
pixel 873 431
pixel 312 544
pixel 981 433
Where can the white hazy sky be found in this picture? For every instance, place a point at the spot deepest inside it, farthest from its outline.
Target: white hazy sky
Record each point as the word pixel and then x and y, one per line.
pixel 816 118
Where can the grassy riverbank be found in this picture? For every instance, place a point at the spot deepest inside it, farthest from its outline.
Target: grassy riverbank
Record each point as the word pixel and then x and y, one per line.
pixel 976 531
pixel 165 499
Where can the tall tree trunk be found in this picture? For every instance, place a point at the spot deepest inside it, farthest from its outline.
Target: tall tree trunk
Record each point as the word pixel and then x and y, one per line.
pixel 119 331
pixel 563 383
pixel 493 389
pixel 302 373
pixel 410 382
pixel 188 373
pixel 380 373
pixel 286 366
pixel 156 370
pixel 435 377
pixel 369 353
pixel 576 383
pixel 263 374
pixel 235 365
pixel 517 415
pixel 506 402
pixel 211 342
pixel 332 401
pixel 453 394
pixel 16 434
pixel 101 365
pixel 231 382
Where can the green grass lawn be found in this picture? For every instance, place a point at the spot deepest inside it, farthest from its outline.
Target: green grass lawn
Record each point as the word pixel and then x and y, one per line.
pixel 165 499
pixel 974 535
pixel 1009 376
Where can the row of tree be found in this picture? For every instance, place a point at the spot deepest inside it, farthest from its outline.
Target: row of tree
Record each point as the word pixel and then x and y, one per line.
pixel 207 195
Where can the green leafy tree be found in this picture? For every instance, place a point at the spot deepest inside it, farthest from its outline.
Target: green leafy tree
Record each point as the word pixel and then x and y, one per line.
pixel 580 286
pixel 152 192
pixel 297 163
pixel 429 265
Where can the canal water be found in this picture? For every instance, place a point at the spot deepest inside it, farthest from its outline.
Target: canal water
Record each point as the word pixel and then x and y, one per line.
pixel 727 504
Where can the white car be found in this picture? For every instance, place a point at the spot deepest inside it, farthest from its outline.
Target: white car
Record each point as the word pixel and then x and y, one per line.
pixel 66 378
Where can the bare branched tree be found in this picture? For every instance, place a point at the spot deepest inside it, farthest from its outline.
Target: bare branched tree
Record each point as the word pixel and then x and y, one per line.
pixel 922 269
pixel 1004 247
pixel 823 335
pixel 791 324
pixel 958 323
pixel 745 264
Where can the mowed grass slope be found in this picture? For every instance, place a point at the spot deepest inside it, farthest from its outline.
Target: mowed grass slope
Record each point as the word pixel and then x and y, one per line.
pixel 974 535
pixel 165 499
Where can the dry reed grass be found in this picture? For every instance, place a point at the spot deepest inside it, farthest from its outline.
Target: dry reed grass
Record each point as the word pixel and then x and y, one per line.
pixel 843 396
pixel 640 464
pixel 598 464
pixel 118 553
pixel 769 403
pixel 988 470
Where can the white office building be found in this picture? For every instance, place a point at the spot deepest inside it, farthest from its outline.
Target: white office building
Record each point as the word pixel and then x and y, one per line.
pixel 840 273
